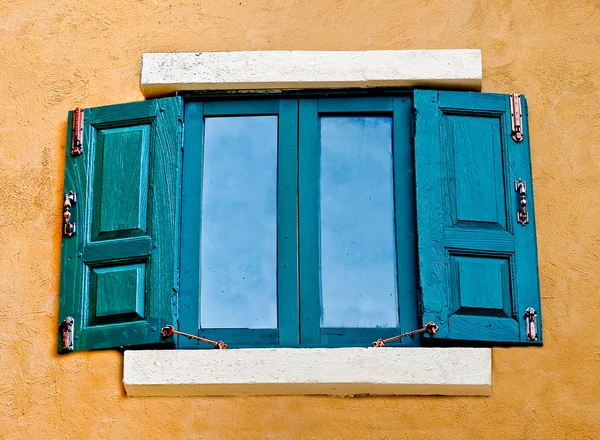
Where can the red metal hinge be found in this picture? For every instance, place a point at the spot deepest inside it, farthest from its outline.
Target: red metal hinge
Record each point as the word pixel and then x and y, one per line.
pixel 77 132
pixel 516 117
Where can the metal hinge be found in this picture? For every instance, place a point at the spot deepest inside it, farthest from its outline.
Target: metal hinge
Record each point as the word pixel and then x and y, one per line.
pixel 77 132
pixel 531 324
pixel 70 200
pixel 516 117
pixel 66 333
pixel 521 189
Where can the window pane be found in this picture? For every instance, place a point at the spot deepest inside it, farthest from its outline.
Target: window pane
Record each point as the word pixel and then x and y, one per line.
pixel 238 269
pixel 358 251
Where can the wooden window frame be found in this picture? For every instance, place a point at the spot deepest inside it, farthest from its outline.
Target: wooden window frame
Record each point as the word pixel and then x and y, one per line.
pixel 298 281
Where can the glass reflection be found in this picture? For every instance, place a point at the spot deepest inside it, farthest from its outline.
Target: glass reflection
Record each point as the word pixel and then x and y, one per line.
pixel 238 269
pixel 358 251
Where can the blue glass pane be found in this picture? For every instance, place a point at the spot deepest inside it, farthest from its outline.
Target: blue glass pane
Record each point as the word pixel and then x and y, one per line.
pixel 238 269
pixel 358 251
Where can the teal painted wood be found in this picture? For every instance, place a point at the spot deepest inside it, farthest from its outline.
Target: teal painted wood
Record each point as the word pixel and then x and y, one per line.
pixel 124 115
pixel 465 153
pixel 189 300
pixel 356 105
pixel 117 249
pixel 310 271
pixel 118 293
pixel 71 275
pixel 287 224
pixel 119 209
pixel 406 228
pixel 308 190
pixel 364 337
pixel 478 266
pixel 237 338
pixel 526 256
pixel 481 240
pixel 252 107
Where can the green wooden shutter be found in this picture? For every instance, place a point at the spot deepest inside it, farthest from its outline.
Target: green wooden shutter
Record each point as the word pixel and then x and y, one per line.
pixel 478 265
pixel 119 273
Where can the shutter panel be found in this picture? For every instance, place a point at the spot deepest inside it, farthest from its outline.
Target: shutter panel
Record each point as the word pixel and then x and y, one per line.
pixel 119 270
pixel 478 265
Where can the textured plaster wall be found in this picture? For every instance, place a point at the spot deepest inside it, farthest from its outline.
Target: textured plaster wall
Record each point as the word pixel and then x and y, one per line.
pixel 60 54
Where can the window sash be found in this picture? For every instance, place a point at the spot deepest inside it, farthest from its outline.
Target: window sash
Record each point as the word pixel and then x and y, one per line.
pixel 400 108
pixel 287 241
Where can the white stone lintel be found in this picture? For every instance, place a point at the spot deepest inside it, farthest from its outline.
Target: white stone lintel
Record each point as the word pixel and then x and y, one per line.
pixel 329 371
pixel 167 73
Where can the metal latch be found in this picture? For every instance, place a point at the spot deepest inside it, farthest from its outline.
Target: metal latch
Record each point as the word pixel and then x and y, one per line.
pixel 66 333
pixel 516 117
pixel 531 324
pixel 77 132
pixel 522 214
pixel 430 327
pixel 70 200
pixel 168 331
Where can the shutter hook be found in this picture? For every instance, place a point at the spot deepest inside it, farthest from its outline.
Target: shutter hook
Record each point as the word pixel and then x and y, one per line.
pixel 68 227
pixel 521 189
pixel 66 333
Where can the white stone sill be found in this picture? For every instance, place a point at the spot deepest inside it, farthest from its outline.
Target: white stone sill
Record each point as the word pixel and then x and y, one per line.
pixel 326 371
pixel 168 73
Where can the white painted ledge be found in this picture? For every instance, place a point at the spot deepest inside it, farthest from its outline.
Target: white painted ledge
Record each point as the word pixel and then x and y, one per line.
pixel 167 73
pixel 330 371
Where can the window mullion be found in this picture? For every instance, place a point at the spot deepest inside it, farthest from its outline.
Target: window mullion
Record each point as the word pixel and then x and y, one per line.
pixel 287 224
pixel 309 241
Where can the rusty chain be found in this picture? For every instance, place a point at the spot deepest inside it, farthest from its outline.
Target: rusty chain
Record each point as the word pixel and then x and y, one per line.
pixel 168 331
pixel 430 327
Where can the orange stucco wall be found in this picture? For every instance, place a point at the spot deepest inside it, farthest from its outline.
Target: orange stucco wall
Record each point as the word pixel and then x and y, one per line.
pixel 55 55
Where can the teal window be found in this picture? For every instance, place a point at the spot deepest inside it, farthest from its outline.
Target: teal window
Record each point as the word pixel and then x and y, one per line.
pixel 300 220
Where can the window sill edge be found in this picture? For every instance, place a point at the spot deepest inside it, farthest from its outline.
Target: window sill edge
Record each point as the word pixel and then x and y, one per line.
pixel 308 371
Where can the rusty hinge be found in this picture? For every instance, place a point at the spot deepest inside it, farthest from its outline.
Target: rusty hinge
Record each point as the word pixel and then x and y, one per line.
pixel 70 200
pixel 66 333
pixel 77 132
pixel 531 324
pixel 516 117
pixel 430 327
pixel 168 331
